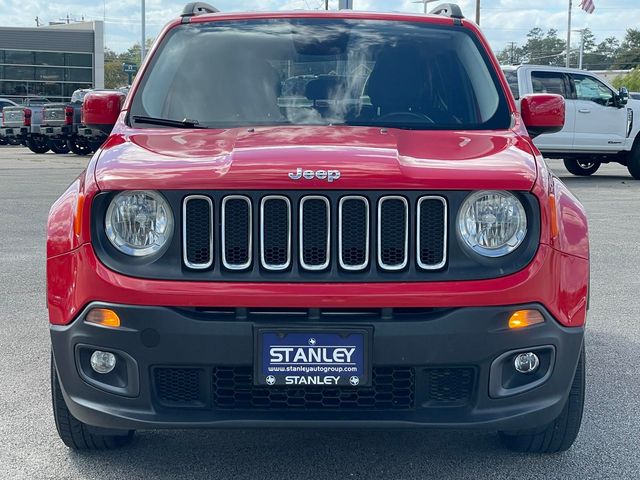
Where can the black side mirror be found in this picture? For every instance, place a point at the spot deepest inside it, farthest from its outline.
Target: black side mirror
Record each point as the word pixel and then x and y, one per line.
pixel 623 97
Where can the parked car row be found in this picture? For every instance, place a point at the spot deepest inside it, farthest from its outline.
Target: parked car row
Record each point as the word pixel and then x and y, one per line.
pixel 42 125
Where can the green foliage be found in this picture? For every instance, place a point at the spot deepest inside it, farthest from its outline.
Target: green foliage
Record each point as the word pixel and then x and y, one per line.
pixel 114 77
pixel 546 48
pixel 631 80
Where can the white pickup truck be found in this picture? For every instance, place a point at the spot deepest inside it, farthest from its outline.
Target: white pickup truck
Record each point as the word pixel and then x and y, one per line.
pixel 601 123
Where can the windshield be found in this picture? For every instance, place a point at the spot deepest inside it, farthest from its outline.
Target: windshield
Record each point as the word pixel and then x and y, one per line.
pixel 322 72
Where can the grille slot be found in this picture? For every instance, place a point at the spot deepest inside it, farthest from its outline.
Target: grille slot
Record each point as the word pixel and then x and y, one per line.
pixel 197 232
pixel 314 232
pixel 393 232
pixel 313 237
pixel 432 233
pixel 275 232
pixel 179 387
pixel 391 389
pixel 451 386
pixel 236 232
pixel 353 232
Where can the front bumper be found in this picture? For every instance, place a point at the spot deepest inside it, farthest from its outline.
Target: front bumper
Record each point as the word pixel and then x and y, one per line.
pixel 446 341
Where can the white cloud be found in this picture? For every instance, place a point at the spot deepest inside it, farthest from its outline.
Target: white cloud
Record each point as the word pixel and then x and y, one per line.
pixel 502 21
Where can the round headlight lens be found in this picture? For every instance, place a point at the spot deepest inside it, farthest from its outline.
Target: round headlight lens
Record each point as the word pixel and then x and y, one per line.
pixel 139 222
pixel 492 223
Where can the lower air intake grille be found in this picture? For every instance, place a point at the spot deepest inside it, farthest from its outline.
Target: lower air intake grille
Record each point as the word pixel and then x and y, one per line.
pixel 178 387
pixel 392 388
pixel 451 386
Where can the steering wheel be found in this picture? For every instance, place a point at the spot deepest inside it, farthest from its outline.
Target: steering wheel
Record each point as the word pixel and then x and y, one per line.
pixel 400 116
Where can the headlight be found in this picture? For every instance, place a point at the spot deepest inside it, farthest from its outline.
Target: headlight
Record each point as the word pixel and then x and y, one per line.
pixel 492 223
pixel 139 222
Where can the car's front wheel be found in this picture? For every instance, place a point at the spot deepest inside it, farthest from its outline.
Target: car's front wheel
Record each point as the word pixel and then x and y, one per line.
pixel 76 434
pixel 560 434
pixel 582 168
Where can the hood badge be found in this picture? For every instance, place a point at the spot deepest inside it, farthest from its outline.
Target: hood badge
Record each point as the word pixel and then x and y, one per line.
pixel 328 175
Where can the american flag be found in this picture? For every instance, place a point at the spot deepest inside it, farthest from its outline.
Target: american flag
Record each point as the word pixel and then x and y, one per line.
pixel 587 6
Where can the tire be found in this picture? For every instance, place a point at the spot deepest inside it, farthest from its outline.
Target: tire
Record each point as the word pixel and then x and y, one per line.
pixel 80 147
pixel 582 168
pixel 3 141
pixel 633 164
pixel 75 434
pixel 59 147
pixel 38 144
pixel 562 432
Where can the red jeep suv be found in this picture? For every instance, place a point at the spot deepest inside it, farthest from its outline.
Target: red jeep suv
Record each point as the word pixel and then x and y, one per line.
pixel 319 219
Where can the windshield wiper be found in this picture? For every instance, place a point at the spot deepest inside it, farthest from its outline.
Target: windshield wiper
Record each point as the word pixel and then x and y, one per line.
pixel 166 122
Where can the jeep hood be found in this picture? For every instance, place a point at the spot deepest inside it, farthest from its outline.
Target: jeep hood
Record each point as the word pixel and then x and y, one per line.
pixel 367 158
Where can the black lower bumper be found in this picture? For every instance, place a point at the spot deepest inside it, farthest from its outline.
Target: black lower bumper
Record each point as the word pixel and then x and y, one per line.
pixel 442 368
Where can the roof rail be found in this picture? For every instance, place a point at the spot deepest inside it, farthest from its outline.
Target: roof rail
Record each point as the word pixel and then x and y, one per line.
pixel 197 8
pixel 448 10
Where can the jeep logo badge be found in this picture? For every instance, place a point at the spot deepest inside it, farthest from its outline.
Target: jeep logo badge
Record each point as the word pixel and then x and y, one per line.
pixel 328 175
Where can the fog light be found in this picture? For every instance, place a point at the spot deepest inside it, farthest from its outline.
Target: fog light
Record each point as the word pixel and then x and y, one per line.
pixel 526 362
pixel 103 362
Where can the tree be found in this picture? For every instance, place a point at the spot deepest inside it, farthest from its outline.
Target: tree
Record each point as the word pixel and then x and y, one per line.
pixel 628 55
pixel 543 49
pixel 114 77
pixel 631 80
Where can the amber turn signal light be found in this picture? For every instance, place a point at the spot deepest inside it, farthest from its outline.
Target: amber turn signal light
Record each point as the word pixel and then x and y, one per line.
pixel 525 318
pixel 104 317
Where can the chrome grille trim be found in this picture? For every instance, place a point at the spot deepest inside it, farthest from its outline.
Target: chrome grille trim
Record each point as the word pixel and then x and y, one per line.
pixel 445 214
pixel 233 266
pixel 196 266
pixel 303 264
pixel 405 261
pixel 364 265
pixel 264 264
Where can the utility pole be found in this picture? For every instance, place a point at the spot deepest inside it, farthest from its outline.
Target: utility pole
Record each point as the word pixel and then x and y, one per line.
pixel 326 4
pixel 512 54
pixel 568 35
pixel 142 43
pixel 581 31
pixel 477 12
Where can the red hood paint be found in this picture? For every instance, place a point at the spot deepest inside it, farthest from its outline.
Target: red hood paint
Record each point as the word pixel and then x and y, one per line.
pixel 367 157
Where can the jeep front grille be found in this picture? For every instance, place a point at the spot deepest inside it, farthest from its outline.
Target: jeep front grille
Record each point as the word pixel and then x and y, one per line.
pixel 315 233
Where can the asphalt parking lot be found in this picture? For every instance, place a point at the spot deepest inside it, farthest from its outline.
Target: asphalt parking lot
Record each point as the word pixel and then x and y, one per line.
pixel 30 448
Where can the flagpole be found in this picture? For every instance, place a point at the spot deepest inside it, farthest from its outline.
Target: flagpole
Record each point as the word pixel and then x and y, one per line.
pixel 568 35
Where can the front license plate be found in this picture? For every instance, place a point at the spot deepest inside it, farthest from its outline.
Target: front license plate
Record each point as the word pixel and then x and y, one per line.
pixel 308 358
pixel 49 130
pixel 9 131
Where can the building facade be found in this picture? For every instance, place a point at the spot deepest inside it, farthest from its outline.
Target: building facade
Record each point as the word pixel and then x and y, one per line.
pixel 51 61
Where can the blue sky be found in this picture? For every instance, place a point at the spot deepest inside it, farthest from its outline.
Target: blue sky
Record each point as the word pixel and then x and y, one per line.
pixel 502 21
